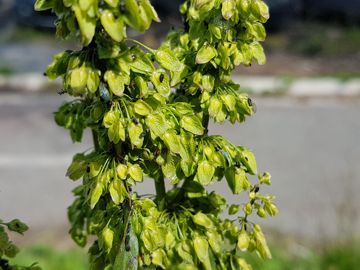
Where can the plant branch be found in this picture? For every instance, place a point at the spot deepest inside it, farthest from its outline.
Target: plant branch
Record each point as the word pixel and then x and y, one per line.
pixel 96 140
pixel 160 187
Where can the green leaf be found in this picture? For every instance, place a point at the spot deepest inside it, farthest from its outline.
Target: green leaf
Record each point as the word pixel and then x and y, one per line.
pixel 127 257
pixel 43 4
pixel 205 54
pixel 76 170
pixel 17 226
pixel 192 124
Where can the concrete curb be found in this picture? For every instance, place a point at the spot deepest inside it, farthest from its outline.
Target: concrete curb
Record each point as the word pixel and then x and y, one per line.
pixel 300 87
pixel 258 85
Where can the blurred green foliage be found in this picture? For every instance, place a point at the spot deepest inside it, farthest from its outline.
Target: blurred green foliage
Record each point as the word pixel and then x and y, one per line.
pixel 342 257
pixel 53 259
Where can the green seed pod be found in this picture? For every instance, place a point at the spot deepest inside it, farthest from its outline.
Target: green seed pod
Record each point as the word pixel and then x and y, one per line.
pixel 248 209
pixel 229 101
pixel 215 241
pixel 170 241
pixel 215 30
pixel 234 209
pixel 243 241
pixel 114 27
pixel 135 132
pixel 205 54
pixel 157 124
pixel 201 247
pixel 208 83
pixel 93 81
pixel 149 10
pixel 116 132
pixel 142 108
pixel 107 238
pixel 261 212
pixel 122 171
pixel 135 172
pixel 249 161
pixel 205 173
pixel 112 3
pixel 261 244
pixel 117 192
pixel 161 82
pixel 110 118
pixel 271 209
pixel 261 10
pixel 228 9
pixel 192 124
pixel 171 139
pixel 185 253
pixel 158 258
pixel 215 106
pixel 95 194
pixel 142 86
pixel 116 82
pixel 86 24
pixel 168 59
pixel 78 81
pixel 265 178
pixel 202 220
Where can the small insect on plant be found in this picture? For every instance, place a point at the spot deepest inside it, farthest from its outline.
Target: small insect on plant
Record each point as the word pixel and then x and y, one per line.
pixel 149 112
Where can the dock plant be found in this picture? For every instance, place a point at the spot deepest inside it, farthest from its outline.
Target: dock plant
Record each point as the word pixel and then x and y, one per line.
pixel 149 110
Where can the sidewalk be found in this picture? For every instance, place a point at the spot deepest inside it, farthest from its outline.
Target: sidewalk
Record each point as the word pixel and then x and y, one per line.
pixel 257 85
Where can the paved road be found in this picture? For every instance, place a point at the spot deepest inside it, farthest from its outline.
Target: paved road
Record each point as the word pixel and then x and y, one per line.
pixel 310 147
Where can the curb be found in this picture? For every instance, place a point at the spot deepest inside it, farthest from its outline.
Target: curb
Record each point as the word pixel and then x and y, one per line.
pixel 257 85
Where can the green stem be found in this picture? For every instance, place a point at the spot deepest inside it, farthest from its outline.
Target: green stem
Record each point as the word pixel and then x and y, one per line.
pixel 181 192
pixel 160 188
pixel 96 140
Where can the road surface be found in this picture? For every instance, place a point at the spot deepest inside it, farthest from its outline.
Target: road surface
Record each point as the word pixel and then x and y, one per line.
pixel 311 147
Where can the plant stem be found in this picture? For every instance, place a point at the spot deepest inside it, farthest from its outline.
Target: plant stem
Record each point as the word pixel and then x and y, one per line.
pixel 181 192
pixel 96 140
pixel 160 188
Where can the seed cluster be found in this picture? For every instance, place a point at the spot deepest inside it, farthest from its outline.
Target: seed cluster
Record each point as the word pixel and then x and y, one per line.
pixel 149 112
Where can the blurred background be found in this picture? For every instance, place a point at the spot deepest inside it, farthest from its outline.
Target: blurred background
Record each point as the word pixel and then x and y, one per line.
pixel 306 133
